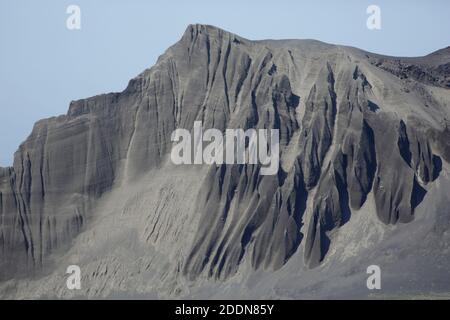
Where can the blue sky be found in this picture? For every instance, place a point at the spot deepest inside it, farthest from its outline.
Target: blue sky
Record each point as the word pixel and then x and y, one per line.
pixel 43 65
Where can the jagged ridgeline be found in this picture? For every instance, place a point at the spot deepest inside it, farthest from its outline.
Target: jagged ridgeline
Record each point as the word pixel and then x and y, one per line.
pixel 354 127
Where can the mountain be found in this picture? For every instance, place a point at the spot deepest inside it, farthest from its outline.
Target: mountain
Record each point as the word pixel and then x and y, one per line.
pixel 363 179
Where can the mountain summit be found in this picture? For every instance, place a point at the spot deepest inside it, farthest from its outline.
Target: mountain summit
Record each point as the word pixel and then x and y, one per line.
pixel 363 179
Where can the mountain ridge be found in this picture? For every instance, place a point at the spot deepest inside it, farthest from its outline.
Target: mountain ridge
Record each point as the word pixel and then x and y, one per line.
pixel 444 51
pixel 353 134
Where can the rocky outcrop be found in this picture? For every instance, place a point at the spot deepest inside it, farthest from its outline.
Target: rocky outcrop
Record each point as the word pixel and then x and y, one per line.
pixel 433 69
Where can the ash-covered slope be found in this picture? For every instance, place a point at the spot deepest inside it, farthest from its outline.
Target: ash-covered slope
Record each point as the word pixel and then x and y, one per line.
pixel 364 142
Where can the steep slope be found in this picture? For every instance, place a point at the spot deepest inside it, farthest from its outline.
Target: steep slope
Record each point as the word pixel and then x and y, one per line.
pixel 360 144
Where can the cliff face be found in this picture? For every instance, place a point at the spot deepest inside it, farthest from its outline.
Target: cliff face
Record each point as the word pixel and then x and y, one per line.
pixel 353 130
